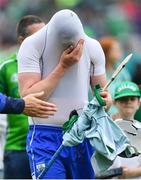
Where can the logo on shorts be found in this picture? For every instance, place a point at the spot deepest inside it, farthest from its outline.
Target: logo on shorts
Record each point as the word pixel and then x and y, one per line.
pixel 40 167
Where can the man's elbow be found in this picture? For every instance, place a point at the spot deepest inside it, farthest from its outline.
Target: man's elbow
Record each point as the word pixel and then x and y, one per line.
pixel 23 93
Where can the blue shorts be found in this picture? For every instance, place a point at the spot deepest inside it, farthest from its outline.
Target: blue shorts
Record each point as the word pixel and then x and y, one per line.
pixel 71 163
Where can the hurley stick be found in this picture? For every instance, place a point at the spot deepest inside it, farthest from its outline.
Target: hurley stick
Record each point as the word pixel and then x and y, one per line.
pixel 117 71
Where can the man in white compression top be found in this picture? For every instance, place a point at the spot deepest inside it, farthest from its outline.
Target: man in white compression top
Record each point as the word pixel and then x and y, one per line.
pixel 57 60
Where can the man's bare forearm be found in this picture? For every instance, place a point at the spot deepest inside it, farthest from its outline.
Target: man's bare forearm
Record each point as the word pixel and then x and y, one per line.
pixel 101 79
pixel 47 85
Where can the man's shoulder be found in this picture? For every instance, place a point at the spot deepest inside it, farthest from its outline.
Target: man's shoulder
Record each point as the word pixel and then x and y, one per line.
pixel 8 61
pixel 94 49
pixel 92 43
pixel 11 57
pixel 91 40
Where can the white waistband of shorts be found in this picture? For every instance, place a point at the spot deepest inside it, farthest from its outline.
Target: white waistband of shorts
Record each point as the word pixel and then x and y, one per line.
pixel 33 122
pixel 54 125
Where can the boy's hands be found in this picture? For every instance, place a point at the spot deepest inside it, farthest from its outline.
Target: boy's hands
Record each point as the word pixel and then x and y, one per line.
pixel 107 98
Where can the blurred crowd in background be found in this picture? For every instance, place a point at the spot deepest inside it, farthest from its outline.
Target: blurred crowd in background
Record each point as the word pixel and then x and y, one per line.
pixel 119 18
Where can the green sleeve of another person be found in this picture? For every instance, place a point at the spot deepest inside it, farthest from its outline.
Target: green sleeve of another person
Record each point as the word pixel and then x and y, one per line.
pixel 17 124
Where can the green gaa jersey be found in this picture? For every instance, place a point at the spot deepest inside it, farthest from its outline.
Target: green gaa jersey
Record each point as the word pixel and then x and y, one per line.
pixel 17 124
